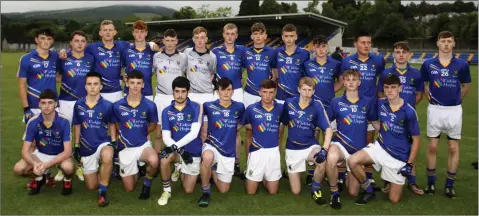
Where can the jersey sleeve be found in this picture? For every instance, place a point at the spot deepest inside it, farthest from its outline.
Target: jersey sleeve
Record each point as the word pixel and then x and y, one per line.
pixel 285 114
pixel 90 49
pixel 372 114
pixel 164 120
pixel 152 113
pixel 75 119
pixel 66 131
pixel 424 72
pixel 30 132
pixel 246 119
pixel 205 109
pixel 244 62
pixel 337 70
pixel 419 84
pixel 330 111
pixel 241 111
pixel 212 66
pixel 123 58
pixel 23 67
pixel 323 120
pixel 343 66
pixel 114 115
pixel 381 82
pixel 465 74
pixel 413 126
pixel 274 59
pixel 382 66
pixel 197 114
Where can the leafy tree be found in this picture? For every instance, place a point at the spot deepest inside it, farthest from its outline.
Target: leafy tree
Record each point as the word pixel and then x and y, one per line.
pixel 249 7
pixel 312 7
pixel 186 12
pixel 270 7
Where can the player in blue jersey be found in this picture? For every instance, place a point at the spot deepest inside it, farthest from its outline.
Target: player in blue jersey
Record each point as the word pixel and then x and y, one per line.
pixel 135 118
pixel 263 119
pixel 181 127
pixel 449 81
pixel 370 66
pixel 302 115
pixel 229 58
pixel 49 131
pixel 91 122
pixel 396 147
pixel 412 91
pixel 224 115
pixel 352 113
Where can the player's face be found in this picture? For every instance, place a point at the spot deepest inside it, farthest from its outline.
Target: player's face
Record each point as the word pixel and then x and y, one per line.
pixel 267 95
pixel 78 43
pixel 446 45
pixel 200 40
pixel 351 83
pixel 400 55
pixel 93 86
pixel 259 37
pixel 226 93
pixel 289 38
pixel 140 35
pixel 47 106
pixel 321 50
pixel 44 42
pixel 230 35
pixel 392 91
pixel 180 95
pixel 135 86
pixel 107 32
pixel 170 43
pixel 306 91
pixel 363 45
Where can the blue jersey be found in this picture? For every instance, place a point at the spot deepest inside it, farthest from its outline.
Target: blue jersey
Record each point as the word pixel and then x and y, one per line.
pixel 397 129
pixel 258 64
pixel 108 64
pixel 73 72
pixel 264 123
pixel 302 123
pixel 48 140
pixel 222 125
pixel 229 64
pixel 290 70
pixel 40 74
pixel 352 121
pixel 134 121
pixel 445 81
pixel 324 76
pixel 179 123
pixel 370 69
pixel 411 82
pixel 134 59
pixel 93 123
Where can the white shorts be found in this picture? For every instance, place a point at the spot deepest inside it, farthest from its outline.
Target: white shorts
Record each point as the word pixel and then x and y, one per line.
pixel 90 163
pixel 345 153
pixel 249 99
pixel 43 157
pixel 112 97
pixel 192 169
pixel 334 126
pixel 264 163
pixel 390 166
pixel 201 98
pixel 128 158
pixel 162 101
pixel 295 159
pixel 66 108
pixel 444 119
pixel 237 95
pixel 225 165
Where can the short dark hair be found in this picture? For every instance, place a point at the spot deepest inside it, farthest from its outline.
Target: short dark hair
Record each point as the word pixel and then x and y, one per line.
pixel 48 94
pixel 338 48
pixel 320 39
pixel 289 28
pixel 79 32
pixel 258 27
pixel 351 72
pixel 392 79
pixel 401 45
pixel 361 34
pixel 44 31
pixel 268 84
pixel 93 74
pixel 224 82
pixel 445 34
pixel 169 33
pixel 181 82
pixel 135 74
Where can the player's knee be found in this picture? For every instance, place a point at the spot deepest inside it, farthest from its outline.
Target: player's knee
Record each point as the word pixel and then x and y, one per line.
pixel 296 191
pixel 207 157
pixel 394 198
pixel 91 186
pixel 129 188
pixel 251 192
pixel 454 148
pixel 19 168
pixel 332 160
pixel 353 162
pixel 107 156
pixel 189 190
pixel 272 191
pixel 67 167
pixel 153 161
pixel 224 189
pixel 352 192
pixel 432 148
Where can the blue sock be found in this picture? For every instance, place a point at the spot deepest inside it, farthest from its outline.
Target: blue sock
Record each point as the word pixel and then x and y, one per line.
pixel 316 186
pixel 148 181
pixel 102 188
pixel 451 177
pixel 369 175
pixel 206 188
pixel 341 175
pixel 311 170
pixel 411 179
pixel 334 190
pixel 431 176
pixel 366 185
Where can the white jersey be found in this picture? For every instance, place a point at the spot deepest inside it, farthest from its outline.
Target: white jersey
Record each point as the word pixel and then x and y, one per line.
pixel 201 70
pixel 167 68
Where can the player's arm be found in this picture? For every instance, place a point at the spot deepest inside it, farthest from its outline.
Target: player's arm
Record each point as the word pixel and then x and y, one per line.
pixel 465 79
pixel 375 125
pixel 465 89
pixel 194 131
pixel 112 130
pixel 338 85
pixel 22 72
pixel 152 118
pixel 165 129
pixel 325 125
pixel 77 133
pixel 246 122
pixel 413 131
pixel 414 149
pixel 26 155
pixel 152 127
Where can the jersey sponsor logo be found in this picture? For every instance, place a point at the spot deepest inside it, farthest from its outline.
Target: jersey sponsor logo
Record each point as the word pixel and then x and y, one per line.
pixel 434 72
pixel 102 54
pixel 291 112
pixel 81 113
pixel 383 114
pixel 258 116
pixel 124 113
pixel 216 113
pixel 36 65
pixel 222 57
pixel 131 55
pixel 343 109
pixel 68 63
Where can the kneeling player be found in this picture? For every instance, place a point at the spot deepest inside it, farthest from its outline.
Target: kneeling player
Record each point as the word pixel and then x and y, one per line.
pixel 51 132
pixel 181 127
pixel 352 113
pixel 263 119
pixel 135 117
pixel 396 147
pixel 224 115
pixel 303 115
pixel 91 120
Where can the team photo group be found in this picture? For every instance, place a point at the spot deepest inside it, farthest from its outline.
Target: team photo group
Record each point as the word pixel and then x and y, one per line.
pixel 107 122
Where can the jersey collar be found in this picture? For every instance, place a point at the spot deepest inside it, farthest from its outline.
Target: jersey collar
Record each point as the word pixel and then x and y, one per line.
pixel 164 52
pixel 206 52
pixel 226 50
pixel 35 53
pixel 356 56
pixel 282 49
pixel 40 118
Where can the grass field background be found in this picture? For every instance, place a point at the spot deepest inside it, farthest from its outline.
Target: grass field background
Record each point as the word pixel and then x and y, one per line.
pixel 14 198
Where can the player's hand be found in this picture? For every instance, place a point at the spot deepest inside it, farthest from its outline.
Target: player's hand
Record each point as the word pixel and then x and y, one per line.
pixel 76 152
pixel 62 54
pixel 39 169
pixel 174 148
pixel 321 156
pixel 166 151
pixel 27 114
pixel 186 156
pixel 406 170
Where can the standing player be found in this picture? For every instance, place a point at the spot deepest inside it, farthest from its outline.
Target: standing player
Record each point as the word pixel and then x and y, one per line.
pixel 224 115
pixel 201 70
pixel 449 81
pixel 263 119
pixel 181 126
pixel 303 115
pixel 91 120
pixel 135 118
pixel 370 66
pixel 229 58
pixel 395 149
pixel 51 133
pixel 353 113
pixel 412 91
pixel 260 63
